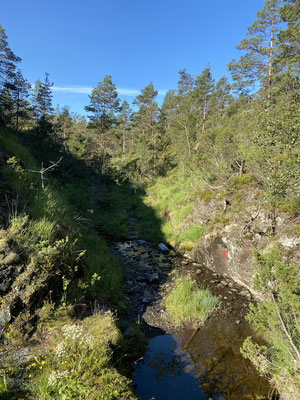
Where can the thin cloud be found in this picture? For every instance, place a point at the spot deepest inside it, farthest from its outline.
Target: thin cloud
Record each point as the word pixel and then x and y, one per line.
pixel 88 90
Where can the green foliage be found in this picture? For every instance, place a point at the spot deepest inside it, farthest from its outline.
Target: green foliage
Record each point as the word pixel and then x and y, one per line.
pixel 277 321
pixel 98 260
pixel 187 303
pixel 81 364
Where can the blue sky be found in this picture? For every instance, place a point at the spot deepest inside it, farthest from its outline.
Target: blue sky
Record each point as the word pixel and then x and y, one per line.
pixel 79 42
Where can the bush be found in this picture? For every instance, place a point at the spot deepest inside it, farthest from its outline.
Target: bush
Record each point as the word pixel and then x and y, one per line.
pixel 276 320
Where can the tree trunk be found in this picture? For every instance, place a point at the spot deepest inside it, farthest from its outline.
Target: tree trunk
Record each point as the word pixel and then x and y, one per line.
pixel 271 57
pixel 204 116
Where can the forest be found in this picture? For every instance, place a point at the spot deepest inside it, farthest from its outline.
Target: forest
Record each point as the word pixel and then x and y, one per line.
pixel 185 171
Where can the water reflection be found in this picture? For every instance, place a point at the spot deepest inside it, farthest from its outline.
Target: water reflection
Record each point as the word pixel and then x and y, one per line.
pixel 166 373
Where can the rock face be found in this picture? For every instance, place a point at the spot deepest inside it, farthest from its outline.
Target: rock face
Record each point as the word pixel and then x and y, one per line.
pixel 229 250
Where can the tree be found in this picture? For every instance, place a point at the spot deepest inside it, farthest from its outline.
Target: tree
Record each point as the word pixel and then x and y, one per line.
pixel 185 83
pixel 221 96
pixel 104 103
pixel 256 66
pixel 63 125
pixel 20 92
pixel 204 85
pixel 289 42
pixel 8 59
pixel 124 121
pixel 42 98
pixel 147 117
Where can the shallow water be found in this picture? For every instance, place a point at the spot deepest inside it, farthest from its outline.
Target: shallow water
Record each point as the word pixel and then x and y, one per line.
pixel 166 372
pixel 211 367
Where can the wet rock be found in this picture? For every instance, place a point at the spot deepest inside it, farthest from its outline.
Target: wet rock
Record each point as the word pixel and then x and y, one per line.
pixel 153 277
pixel 163 247
pixel 129 332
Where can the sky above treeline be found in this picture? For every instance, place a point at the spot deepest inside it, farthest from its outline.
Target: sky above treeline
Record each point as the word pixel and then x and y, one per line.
pixel 135 41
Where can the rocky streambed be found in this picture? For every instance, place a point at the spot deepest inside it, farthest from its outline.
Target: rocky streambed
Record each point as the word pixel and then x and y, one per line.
pixel 210 366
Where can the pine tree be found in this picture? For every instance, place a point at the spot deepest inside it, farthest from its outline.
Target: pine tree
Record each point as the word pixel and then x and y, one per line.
pixel 124 121
pixel 147 117
pixel 20 92
pixel 204 85
pixel 63 125
pixel 185 83
pixel 104 103
pixel 8 59
pixel 289 38
pixel 42 98
pixel 257 65
pixel 221 96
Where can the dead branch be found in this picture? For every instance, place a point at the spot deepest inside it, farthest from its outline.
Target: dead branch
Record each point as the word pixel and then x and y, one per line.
pixel 43 170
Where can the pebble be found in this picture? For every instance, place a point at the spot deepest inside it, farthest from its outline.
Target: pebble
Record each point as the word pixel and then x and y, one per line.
pixel 237 321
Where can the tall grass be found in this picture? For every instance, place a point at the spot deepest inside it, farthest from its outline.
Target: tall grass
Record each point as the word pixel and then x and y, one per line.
pixel 188 304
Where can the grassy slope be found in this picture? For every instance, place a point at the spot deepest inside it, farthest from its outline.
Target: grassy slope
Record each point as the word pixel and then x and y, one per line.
pixel 52 233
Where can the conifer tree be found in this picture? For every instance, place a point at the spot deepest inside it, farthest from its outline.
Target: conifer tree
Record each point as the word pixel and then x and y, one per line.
pixel 204 85
pixel 124 121
pixel 20 93
pixel 104 103
pixel 63 125
pixel 221 95
pixel 8 59
pixel 257 65
pixel 147 117
pixel 185 83
pixel 42 98
pixel 289 38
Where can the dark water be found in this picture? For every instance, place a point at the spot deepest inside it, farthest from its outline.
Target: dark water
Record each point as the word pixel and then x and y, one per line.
pixel 212 368
pixel 167 373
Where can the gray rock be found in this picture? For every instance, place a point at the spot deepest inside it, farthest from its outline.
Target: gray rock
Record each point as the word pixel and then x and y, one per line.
pixel 129 332
pixel 153 277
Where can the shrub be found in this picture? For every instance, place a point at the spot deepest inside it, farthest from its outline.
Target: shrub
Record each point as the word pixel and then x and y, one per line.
pixel 276 320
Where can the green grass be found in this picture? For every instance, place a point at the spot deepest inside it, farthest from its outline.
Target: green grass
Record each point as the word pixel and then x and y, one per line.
pixel 189 304
pixel 192 234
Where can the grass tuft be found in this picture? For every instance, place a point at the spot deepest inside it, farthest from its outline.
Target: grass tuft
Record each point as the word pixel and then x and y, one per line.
pixel 189 304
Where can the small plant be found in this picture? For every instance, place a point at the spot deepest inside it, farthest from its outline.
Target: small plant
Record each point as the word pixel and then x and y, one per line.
pixel 189 304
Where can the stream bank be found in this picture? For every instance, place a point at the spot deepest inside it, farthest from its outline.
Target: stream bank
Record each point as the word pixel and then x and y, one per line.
pixel 211 365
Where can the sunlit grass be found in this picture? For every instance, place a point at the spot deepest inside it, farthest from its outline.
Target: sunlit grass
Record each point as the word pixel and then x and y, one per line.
pixel 189 304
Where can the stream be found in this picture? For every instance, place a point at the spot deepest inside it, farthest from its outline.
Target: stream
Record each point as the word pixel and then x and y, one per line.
pixel 211 366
